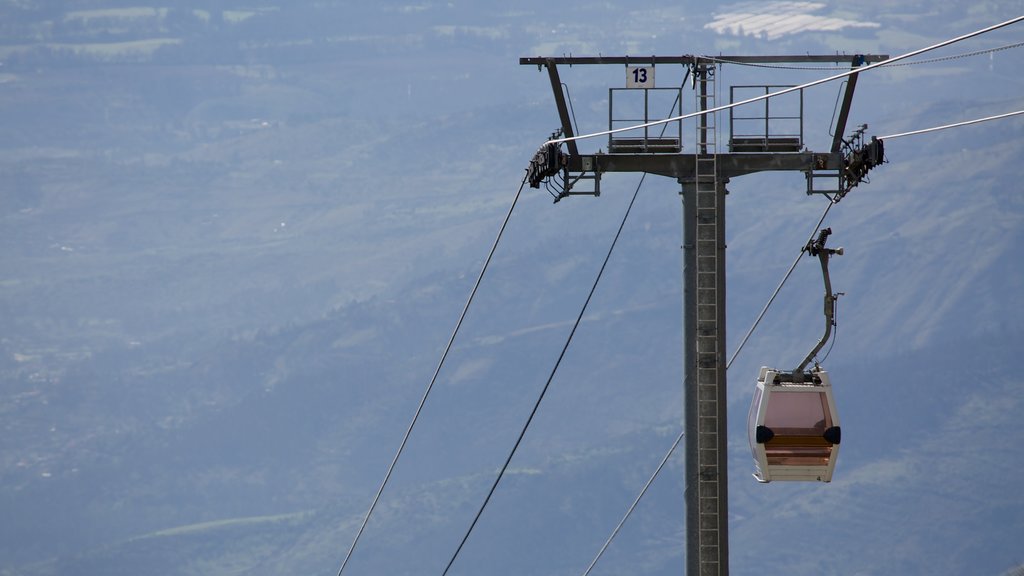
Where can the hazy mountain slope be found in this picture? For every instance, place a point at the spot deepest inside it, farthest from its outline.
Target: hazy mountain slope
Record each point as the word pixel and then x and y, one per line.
pixel 236 239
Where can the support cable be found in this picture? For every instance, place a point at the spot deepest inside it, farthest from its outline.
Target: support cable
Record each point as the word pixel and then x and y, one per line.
pixel 781 284
pixel 956 125
pixel 858 70
pixel 668 455
pixel 547 384
pixel 433 379
pixel 635 502
pixel 958 56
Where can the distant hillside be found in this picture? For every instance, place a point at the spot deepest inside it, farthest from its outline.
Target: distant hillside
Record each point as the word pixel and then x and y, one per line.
pixel 236 238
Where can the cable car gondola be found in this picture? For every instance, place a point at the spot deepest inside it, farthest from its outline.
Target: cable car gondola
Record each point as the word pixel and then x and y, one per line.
pixel 793 426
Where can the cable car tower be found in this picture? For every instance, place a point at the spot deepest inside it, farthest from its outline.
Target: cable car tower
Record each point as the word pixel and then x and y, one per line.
pixel 762 137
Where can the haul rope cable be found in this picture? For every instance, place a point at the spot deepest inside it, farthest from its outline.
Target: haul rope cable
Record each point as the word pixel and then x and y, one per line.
pixel 955 125
pixel 430 386
pixel 551 377
pixel 890 61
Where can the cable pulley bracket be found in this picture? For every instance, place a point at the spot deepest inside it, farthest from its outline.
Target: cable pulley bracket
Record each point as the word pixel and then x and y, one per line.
pixel 856 157
pixel 547 162
pixel 859 157
pixel 550 167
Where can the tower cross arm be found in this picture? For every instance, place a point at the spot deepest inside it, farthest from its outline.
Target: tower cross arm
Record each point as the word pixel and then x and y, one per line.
pixel 691 59
pixel 730 165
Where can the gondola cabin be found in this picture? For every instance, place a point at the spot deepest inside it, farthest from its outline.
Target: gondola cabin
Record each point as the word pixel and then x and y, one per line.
pixel 793 427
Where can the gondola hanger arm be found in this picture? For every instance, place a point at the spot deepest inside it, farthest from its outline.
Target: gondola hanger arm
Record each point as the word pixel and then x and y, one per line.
pixel 817 248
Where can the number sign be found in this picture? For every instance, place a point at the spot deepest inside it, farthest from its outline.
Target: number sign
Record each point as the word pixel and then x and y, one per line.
pixel 639 76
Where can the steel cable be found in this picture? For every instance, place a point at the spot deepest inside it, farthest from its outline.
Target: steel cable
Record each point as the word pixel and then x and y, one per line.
pixel 433 379
pixel 547 384
pixel 632 507
pixel 946 126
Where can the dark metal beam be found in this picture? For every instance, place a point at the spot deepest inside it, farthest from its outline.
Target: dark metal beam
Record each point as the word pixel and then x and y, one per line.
pixel 691 59
pixel 844 112
pixel 729 165
pixel 563 110
pixel 800 59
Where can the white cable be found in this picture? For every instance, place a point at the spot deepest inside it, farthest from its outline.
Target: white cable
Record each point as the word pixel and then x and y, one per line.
pixel 943 127
pixel 794 88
